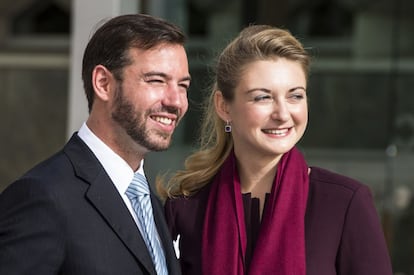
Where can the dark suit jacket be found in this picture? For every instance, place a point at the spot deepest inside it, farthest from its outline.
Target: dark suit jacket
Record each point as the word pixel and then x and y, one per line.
pixel 343 232
pixel 65 216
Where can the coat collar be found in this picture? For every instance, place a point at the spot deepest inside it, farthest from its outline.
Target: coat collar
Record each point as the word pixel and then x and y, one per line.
pixel 103 195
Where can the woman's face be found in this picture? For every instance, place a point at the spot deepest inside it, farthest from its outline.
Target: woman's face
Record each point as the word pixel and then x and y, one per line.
pixel 269 112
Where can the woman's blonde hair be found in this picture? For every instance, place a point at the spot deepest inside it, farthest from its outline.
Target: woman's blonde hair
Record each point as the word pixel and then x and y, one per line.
pixel 256 42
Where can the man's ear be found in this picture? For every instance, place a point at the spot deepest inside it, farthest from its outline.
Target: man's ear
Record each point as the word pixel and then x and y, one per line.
pixel 222 107
pixel 102 81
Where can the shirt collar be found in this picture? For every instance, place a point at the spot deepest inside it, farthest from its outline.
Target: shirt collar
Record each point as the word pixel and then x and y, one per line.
pixel 116 167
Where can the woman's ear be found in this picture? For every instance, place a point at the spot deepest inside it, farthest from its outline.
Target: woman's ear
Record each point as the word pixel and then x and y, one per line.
pixel 102 81
pixel 222 106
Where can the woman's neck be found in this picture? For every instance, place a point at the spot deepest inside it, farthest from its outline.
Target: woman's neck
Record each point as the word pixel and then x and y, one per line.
pixel 257 177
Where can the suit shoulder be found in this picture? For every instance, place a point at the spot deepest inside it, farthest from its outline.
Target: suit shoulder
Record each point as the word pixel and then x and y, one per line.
pixel 49 167
pixel 45 173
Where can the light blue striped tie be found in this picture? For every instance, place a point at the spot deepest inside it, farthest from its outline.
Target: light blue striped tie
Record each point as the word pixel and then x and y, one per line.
pixel 139 195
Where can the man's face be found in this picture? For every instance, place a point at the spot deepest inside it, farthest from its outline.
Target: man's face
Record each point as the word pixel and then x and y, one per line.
pixel 152 97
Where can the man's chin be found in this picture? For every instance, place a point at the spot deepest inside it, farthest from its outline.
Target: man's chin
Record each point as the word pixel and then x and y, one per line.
pixel 159 150
pixel 159 146
pixel 155 142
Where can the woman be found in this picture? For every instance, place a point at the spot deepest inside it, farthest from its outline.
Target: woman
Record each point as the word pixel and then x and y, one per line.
pixel 247 202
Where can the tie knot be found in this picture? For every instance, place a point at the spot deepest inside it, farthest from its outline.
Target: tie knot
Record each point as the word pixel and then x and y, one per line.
pixel 138 186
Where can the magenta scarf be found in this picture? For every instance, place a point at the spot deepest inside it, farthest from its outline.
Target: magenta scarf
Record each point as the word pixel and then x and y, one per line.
pixel 280 247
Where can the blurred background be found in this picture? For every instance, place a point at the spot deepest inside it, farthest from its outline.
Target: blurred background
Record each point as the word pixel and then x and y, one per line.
pixel 361 102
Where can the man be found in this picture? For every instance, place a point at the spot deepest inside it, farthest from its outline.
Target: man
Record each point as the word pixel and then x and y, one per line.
pixel 72 214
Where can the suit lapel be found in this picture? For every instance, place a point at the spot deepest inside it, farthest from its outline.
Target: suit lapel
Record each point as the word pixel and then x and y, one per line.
pixel 103 195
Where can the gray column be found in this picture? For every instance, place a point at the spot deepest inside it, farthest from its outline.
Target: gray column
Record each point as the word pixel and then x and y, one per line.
pixel 86 17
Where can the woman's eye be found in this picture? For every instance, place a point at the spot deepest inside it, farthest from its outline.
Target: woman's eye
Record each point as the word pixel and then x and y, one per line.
pixel 262 98
pixel 298 96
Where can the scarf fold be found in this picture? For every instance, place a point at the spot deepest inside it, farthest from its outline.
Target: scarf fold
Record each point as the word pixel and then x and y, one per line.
pixel 280 247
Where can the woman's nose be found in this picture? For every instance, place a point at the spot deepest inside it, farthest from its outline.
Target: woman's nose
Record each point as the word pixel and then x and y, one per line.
pixel 280 111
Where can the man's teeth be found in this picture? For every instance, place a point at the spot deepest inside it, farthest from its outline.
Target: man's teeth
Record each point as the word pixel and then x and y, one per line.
pixel 163 120
pixel 277 132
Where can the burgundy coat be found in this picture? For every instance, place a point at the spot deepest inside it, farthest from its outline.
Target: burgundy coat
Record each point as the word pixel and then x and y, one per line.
pixel 343 232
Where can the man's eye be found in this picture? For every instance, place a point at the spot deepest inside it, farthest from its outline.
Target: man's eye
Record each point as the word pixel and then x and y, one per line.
pixel 155 81
pixel 185 86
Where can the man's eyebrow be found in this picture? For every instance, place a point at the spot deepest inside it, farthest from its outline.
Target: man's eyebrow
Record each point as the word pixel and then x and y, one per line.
pixel 153 73
pixel 164 75
pixel 187 78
